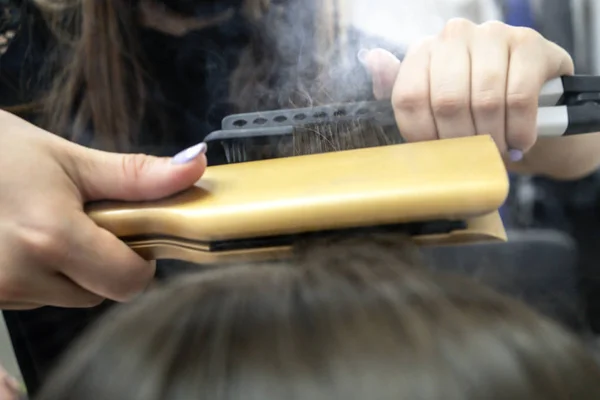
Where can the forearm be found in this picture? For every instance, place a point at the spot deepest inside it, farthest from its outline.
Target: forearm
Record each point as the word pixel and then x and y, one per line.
pixel 564 158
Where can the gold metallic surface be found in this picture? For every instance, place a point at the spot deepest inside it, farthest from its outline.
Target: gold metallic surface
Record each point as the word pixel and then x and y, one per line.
pixel 461 178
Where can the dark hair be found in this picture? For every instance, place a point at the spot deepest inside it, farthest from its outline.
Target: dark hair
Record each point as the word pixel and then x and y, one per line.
pixel 100 81
pixel 348 319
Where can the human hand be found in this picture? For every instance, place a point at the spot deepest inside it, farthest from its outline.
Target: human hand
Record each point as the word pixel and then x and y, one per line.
pixel 10 388
pixel 471 79
pixel 51 253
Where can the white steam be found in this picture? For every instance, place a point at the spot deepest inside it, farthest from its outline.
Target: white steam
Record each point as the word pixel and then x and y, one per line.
pixel 403 22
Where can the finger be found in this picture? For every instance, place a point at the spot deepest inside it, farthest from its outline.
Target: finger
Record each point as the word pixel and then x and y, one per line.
pixel 59 291
pixel 106 266
pixel 559 61
pixel 451 88
pixel 383 67
pixel 110 176
pixel 16 306
pixel 410 96
pixel 489 74
pixel 32 289
pixel 533 61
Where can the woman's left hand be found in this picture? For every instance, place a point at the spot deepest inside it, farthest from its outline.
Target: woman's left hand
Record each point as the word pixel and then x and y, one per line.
pixel 471 79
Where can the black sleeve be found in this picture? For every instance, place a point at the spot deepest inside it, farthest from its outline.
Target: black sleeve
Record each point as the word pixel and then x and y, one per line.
pixel 23 47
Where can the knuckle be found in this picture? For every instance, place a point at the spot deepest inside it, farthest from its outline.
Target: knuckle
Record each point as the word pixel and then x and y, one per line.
pixel 493 27
pixel 46 241
pixel 409 100
pixel 520 101
pixel 524 35
pixel 456 27
pixel 447 104
pixel 133 165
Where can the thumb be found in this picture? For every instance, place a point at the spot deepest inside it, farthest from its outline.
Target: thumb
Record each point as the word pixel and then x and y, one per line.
pixel 383 67
pixel 101 175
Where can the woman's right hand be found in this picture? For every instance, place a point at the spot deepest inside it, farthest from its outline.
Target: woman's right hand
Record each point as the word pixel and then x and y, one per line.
pixel 51 253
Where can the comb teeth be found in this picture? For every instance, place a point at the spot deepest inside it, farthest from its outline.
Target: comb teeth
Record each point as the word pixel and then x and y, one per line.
pixel 287 133
pixel 311 139
pixel 254 148
pixel 340 136
pixel 234 151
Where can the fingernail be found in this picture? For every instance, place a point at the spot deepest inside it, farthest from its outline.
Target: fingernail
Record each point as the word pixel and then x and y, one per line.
pixel 190 154
pixel 515 155
pixel 362 56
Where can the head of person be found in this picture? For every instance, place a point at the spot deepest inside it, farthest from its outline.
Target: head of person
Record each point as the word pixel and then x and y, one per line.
pixel 103 78
pixel 347 318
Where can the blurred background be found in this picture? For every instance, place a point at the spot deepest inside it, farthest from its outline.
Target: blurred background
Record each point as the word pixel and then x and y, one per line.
pixel 573 24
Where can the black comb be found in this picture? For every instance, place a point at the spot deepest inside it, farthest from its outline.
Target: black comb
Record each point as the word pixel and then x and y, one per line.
pixel 285 133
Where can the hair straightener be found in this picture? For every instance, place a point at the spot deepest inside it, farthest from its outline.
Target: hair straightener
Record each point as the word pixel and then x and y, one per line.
pixel 269 194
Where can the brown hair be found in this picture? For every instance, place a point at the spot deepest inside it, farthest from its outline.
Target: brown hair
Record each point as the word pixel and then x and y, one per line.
pixel 100 79
pixel 348 319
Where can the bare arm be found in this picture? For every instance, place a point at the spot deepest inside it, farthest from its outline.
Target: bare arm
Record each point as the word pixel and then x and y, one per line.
pixel 564 158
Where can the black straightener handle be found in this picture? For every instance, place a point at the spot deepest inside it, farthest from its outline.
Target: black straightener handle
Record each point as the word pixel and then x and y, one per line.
pixel 569 105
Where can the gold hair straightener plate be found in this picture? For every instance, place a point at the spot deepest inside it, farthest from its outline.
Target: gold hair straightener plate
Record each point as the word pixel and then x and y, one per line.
pixel 461 178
